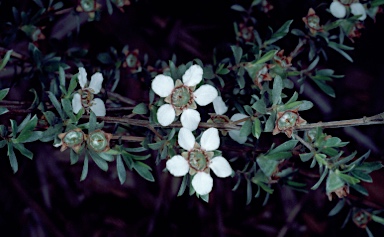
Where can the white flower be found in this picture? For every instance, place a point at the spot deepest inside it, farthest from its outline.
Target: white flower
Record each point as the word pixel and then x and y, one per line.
pixel 181 97
pixel 220 108
pixel 339 10
pixel 85 98
pixel 199 160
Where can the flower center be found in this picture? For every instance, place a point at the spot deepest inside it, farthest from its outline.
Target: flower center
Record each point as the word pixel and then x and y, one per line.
pixel 288 120
pixel 86 98
pixel 73 138
pixel 181 97
pixel 313 22
pixel 98 141
pixel 88 5
pixel 198 159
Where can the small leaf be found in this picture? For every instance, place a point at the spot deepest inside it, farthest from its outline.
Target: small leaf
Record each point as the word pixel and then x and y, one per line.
pixel 286 146
pixel 268 166
pixel 24 151
pixel 337 208
pixel 3 93
pixel 5 60
pixel 266 57
pixel 260 106
pixel 56 104
pixel 183 185
pixel 237 53
pixel 306 156
pixel 140 109
pixel 156 145
pixel 277 89
pixel 101 163
pixel 12 158
pixel 27 130
pixel 280 33
pixel 73 157
pixel 84 172
pixel 256 128
pixel 246 128
pixel 121 172
pixel 378 219
pixel 143 170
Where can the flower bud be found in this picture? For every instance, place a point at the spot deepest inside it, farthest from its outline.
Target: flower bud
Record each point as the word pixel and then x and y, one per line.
pixel 73 139
pixel 99 141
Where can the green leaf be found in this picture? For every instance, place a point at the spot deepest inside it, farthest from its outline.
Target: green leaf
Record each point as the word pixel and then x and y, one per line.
pixel 246 128
pixel 72 85
pixel 140 109
pixel 362 176
pixel 266 57
pixel 270 124
pixel 378 219
pixel 237 53
pixel 5 59
pixel 248 109
pixel 376 3
pixel 183 185
pixel 143 170
pixel 92 122
pixel 73 157
pixel 56 104
pixel 277 89
pixel 325 88
pixel 268 166
pixel 24 151
pixel 279 155
pixel 360 189
pixel 3 93
pixel 3 110
pixel 256 128
pixel 337 208
pixel 23 123
pixel 12 158
pixel 368 167
pixel 156 145
pixel 280 33
pixel 84 172
pixel 337 48
pixel 101 163
pixel 67 106
pixel 238 7
pixel 286 146
pixel 306 156
pixel 334 182
pixel 323 175
pixel 27 130
pixel 260 106
pixel 347 178
pixel 121 172
pixel 249 192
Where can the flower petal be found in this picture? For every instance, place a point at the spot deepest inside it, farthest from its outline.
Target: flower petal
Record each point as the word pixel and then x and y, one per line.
pixel 202 183
pixel 205 94
pixel 190 119
pixel 76 103
pixel 177 166
pixel 193 75
pixel 96 82
pixel 186 139
pixel 220 167
pixel 210 139
pixel 238 116
pixel 82 77
pixel 235 135
pixel 163 85
pixel 337 9
pixel 358 9
pixel 219 106
pixel 166 114
pixel 98 107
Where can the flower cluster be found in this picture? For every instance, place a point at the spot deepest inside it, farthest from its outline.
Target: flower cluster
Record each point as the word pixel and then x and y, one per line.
pixel 339 9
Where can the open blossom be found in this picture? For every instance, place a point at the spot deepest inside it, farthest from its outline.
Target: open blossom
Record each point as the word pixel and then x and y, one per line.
pixel 181 97
pixel 220 109
pixel 85 97
pixel 339 9
pixel 198 160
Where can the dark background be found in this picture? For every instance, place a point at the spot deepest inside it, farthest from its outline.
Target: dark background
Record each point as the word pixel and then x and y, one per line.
pixel 45 197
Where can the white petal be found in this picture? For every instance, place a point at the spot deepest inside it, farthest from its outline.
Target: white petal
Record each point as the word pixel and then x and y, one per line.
pixel 205 94
pixel 193 75
pixel 163 85
pixel 220 167
pixel 219 106
pixel 358 9
pixel 190 119
pixel 235 135
pixel 177 166
pixel 186 139
pixel 82 77
pixel 210 139
pixel 98 107
pixel 202 183
pixel 238 116
pixel 76 103
pixel 96 82
pixel 166 114
pixel 337 9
